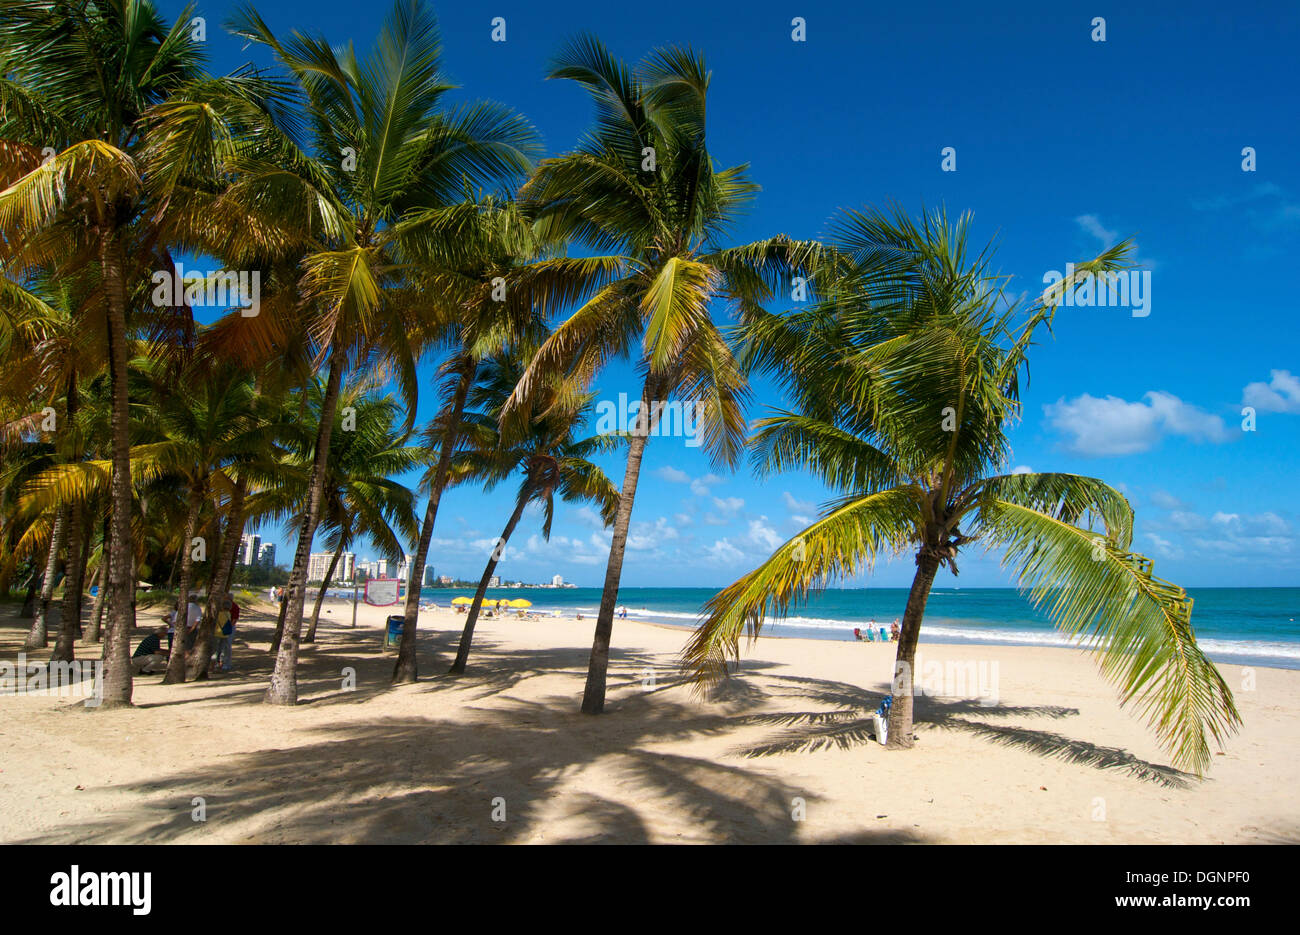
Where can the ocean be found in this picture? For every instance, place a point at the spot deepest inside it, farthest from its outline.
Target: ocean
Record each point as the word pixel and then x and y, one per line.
pixel 1247 626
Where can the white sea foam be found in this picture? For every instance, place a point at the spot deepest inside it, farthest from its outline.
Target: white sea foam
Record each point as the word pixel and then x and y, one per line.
pixel 941 630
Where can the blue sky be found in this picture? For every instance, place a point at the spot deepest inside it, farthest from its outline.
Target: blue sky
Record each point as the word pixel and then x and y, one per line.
pixel 1063 144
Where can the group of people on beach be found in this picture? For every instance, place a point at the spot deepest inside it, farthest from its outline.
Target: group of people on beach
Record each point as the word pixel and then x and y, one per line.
pixel 149 656
pixel 869 634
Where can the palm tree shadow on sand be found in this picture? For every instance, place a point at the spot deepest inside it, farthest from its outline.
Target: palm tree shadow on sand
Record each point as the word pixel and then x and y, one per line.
pixel 846 722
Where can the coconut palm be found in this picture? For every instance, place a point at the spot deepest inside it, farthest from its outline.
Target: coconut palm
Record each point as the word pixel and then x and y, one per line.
pixel 907 377
pixel 362 499
pixel 644 186
pixel 496 283
pixel 385 145
pixel 49 356
pixel 136 139
pixel 552 460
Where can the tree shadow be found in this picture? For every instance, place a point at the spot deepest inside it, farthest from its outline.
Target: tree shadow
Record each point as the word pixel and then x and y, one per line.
pixel 425 780
pixel 849 724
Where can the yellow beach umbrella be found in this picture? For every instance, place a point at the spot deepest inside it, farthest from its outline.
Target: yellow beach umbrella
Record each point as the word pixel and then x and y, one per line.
pixel 521 602
pixel 462 600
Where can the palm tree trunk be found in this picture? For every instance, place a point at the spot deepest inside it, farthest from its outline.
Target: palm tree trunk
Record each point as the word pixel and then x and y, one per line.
pixel 593 696
pixel 320 594
pixel 900 709
pixel 176 662
pixel 284 679
pixel 201 659
pixel 70 617
pixel 406 669
pixel 101 579
pixel 29 600
pixel 121 566
pixel 279 628
pixel 467 634
pixel 39 635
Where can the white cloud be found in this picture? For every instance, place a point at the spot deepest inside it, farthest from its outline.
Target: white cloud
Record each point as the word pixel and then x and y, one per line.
pixel 645 537
pixel 724 553
pixel 762 536
pixel 1163 548
pixel 700 486
pixel 586 516
pixel 1166 501
pixel 1112 426
pixel 1280 394
pixel 1260 537
pixel 1022 469
pixel 1181 519
pixel 727 510
pixel 1092 224
pixel 797 506
pixel 673 475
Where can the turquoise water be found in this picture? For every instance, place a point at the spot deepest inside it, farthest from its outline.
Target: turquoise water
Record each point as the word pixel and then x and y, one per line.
pixel 1252 626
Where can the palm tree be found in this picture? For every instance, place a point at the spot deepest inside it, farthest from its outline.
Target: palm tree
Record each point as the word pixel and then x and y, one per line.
pixel 361 497
pixel 907 377
pixel 121 99
pixel 385 145
pixel 643 184
pixel 205 419
pixel 496 283
pixel 547 453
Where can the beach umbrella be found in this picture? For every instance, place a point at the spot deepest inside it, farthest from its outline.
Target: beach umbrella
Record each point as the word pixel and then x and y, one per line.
pixel 521 602
pixel 462 600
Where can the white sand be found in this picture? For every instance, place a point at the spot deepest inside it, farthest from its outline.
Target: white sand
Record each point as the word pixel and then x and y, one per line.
pixel 1054 759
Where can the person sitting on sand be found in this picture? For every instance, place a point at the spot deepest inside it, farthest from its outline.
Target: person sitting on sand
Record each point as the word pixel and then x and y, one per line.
pixel 148 656
pixel 894 631
pixel 857 634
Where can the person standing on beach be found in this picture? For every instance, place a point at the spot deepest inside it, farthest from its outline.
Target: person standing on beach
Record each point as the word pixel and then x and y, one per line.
pixel 225 633
pixel 193 615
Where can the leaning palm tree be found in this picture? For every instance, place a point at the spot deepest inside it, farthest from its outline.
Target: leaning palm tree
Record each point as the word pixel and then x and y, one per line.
pixel 547 452
pixel 385 145
pixel 492 283
pixel 644 186
pixel 907 377
pixel 362 498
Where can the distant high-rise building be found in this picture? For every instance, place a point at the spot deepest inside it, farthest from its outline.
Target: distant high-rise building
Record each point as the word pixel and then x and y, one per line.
pixel 381 568
pixel 347 566
pixel 429 577
pixel 249 545
pixel 494 581
pixel 318 564
pixel 266 555
pixel 445 579
pixel 557 581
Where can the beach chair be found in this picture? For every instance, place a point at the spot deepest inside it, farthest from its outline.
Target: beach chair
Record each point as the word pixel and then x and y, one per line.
pixel 871 634
pixel 393 631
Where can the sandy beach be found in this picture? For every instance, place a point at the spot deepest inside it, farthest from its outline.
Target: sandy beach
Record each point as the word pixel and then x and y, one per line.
pixel 784 753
